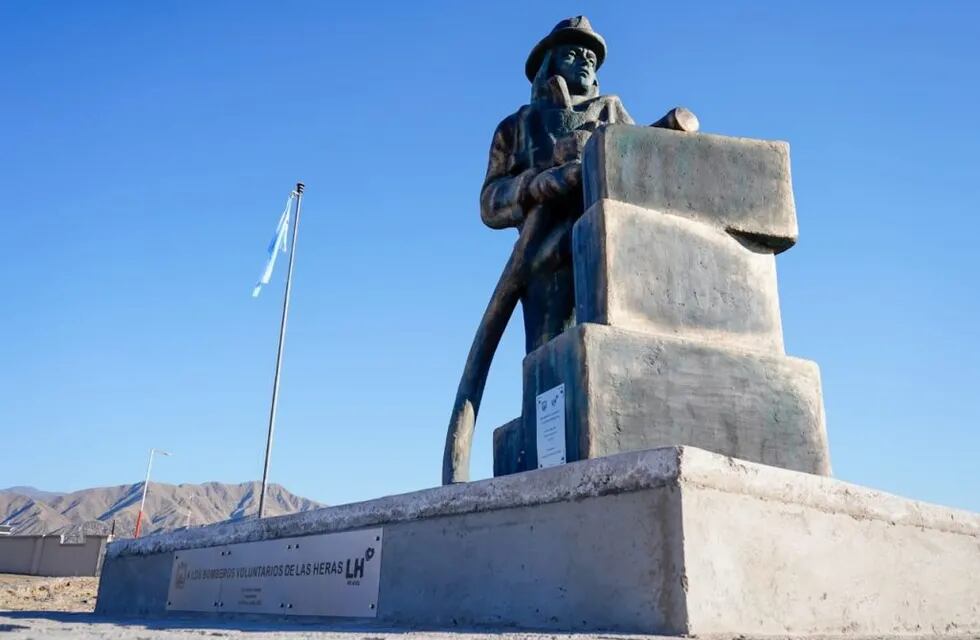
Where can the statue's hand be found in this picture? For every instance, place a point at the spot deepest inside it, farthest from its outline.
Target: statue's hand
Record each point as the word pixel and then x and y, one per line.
pixel 678 119
pixel 556 181
pixel 570 147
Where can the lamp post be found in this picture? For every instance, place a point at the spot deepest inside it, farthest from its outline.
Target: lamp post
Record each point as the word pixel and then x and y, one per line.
pixel 146 484
pixel 187 503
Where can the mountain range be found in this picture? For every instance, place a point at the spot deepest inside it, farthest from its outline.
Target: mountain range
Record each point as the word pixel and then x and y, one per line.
pixel 106 510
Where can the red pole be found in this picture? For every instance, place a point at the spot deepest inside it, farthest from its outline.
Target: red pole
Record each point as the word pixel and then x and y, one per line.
pixel 146 485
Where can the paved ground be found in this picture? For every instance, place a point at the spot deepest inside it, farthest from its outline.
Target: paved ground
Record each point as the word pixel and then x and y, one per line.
pixel 21 625
pixel 60 608
pixel 17 625
pixel 35 607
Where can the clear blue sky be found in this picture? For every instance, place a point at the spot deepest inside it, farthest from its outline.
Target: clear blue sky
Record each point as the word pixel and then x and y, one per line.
pixel 146 150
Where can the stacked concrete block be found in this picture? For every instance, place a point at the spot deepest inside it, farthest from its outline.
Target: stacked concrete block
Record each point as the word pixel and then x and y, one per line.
pixel 678 338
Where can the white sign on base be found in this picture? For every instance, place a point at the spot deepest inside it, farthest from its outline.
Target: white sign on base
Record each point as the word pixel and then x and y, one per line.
pixel 334 574
pixel 550 410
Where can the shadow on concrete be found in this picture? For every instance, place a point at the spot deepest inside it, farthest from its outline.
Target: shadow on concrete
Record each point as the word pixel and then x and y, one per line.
pixel 11 627
pixel 193 622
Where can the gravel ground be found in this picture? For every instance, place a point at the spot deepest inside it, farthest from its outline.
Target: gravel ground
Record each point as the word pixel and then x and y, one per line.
pixel 36 607
pixel 86 626
pixel 60 608
pixel 35 593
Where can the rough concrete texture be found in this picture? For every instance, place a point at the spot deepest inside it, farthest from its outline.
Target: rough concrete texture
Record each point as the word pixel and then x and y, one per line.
pixel 834 558
pixel 739 185
pixel 669 541
pixel 541 567
pixel 641 269
pixel 626 391
pixel 560 484
pixel 852 570
pixel 508 448
pixel 133 587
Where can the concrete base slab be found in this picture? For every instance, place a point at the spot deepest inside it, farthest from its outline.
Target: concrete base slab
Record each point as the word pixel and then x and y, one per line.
pixel 674 541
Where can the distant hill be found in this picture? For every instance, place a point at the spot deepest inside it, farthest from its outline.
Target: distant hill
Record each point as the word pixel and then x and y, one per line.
pixel 32 492
pixel 168 507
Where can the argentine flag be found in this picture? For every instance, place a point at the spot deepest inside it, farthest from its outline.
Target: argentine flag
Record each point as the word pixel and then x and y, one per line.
pixel 277 246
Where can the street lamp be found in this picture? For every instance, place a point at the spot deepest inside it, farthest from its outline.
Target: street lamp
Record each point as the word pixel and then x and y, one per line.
pixel 146 483
pixel 187 503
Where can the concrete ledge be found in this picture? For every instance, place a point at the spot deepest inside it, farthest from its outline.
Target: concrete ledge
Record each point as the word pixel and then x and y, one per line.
pixel 620 473
pixel 672 541
pixel 737 185
pixel 629 472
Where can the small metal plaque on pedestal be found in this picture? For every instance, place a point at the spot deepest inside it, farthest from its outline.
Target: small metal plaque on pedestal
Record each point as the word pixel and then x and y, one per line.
pixel 550 414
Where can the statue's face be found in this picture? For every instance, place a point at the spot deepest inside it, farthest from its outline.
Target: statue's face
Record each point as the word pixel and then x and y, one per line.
pixel 576 64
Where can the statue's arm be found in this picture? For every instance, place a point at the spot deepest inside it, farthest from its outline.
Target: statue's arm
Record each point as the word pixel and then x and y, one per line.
pixel 504 192
pixel 677 119
pixel 618 113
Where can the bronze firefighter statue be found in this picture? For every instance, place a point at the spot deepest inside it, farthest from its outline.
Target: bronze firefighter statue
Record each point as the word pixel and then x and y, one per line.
pixel 533 183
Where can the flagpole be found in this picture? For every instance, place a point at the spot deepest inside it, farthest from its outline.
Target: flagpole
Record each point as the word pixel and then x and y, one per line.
pixel 282 340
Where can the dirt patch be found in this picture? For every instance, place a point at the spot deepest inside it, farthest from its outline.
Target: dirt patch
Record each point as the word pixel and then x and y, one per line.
pixel 34 593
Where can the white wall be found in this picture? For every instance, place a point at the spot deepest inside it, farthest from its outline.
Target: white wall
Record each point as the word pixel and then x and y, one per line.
pixel 49 556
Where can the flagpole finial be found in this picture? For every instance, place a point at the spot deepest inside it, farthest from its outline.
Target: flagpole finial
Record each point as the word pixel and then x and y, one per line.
pixel 299 187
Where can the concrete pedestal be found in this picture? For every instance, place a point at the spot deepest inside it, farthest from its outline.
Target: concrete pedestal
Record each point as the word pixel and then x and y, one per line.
pixel 679 339
pixel 627 390
pixel 662 274
pixel 673 541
